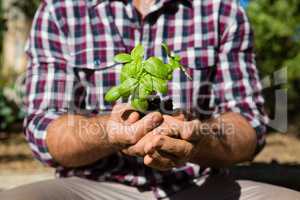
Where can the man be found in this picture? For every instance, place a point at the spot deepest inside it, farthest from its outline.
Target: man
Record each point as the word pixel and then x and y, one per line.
pixel 104 152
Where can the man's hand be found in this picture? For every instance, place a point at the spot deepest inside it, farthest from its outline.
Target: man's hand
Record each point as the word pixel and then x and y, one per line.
pixel 171 126
pixel 164 153
pixel 170 147
pixel 221 142
pixel 124 127
pixel 75 140
pixel 164 148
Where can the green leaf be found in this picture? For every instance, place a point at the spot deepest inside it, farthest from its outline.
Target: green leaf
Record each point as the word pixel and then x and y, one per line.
pixel 147 82
pixel 156 67
pixel 140 104
pixel 175 64
pixel 138 67
pixel 143 92
pixel 170 68
pixel 127 86
pixel 131 70
pixel 112 95
pixel 160 85
pixel 126 72
pixel 123 58
pixel 177 58
pixel 138 52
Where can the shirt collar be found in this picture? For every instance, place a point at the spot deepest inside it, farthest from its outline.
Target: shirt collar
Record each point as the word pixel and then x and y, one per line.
pixel 94 3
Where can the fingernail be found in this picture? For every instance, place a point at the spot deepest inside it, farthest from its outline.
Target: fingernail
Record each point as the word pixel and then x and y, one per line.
pixel 157 118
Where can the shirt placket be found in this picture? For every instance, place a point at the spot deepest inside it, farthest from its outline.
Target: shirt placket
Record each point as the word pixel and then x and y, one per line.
pixel 145 34
pixel 143 30
pixel 135 24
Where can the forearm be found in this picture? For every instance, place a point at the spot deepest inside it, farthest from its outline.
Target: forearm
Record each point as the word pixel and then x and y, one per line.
pixel 75 141
pixel 228 140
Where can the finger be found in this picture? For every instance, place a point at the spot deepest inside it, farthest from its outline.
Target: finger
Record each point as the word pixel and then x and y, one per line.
pixel 168 132
pixel 136 150
pixel 119 110
pixel 133 152
pixel 131 134
pixel 171 127
pixel 146 124
pixel 171 160
pixel 148 160
pixel 176 147
pixel 132 118
pixel 159 162
pixel 154 145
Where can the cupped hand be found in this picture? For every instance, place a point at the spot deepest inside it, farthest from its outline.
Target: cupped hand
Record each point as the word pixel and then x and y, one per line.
pixel 169 145
pixel 138 148
pixel 125 128
pixel 164 153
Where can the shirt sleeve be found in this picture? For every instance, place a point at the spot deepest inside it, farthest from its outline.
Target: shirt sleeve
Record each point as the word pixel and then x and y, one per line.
pixel 47 82
pixel 237 86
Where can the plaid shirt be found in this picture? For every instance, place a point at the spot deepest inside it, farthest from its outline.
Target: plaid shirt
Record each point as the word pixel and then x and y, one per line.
pixel 71 49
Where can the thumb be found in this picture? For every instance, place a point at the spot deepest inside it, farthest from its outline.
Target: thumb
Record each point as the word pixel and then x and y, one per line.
pixel 121 112
pixel 147 124
pixel 132 118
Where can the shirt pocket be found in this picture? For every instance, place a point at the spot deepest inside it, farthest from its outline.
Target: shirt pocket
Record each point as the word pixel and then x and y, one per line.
pixel 197 57
pixel 96 72
pixel 200 64
pixel 94 58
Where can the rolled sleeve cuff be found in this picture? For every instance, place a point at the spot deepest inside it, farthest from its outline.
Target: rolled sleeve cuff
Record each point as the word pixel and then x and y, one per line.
pixel 253 113
pixel 36 133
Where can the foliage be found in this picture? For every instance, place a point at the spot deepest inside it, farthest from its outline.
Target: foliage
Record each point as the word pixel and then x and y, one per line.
pixel 28 7
pixel 10 113
pixel 277 37
pixel 10 94
pixel 142 78
pixel 2 26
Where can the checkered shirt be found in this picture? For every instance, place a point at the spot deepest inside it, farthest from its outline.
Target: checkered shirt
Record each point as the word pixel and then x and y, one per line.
pixel 71 67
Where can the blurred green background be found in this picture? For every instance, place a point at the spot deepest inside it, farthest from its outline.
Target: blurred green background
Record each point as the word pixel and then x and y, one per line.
pixel 276 26
pixel 15 20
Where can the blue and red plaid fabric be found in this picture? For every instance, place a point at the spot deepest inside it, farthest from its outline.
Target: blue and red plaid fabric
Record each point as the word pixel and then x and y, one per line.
pixel 71 49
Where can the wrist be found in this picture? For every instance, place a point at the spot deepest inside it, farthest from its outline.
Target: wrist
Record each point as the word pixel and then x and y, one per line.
pixel 212 148
pixel 116 146
pixel 104 133
pixel 112 137
pixel 202 142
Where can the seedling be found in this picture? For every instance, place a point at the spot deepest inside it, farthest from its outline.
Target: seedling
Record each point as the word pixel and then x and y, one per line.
pixel 141 78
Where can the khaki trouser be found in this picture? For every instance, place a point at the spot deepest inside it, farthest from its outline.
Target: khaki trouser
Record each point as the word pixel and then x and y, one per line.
pixel 213 188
